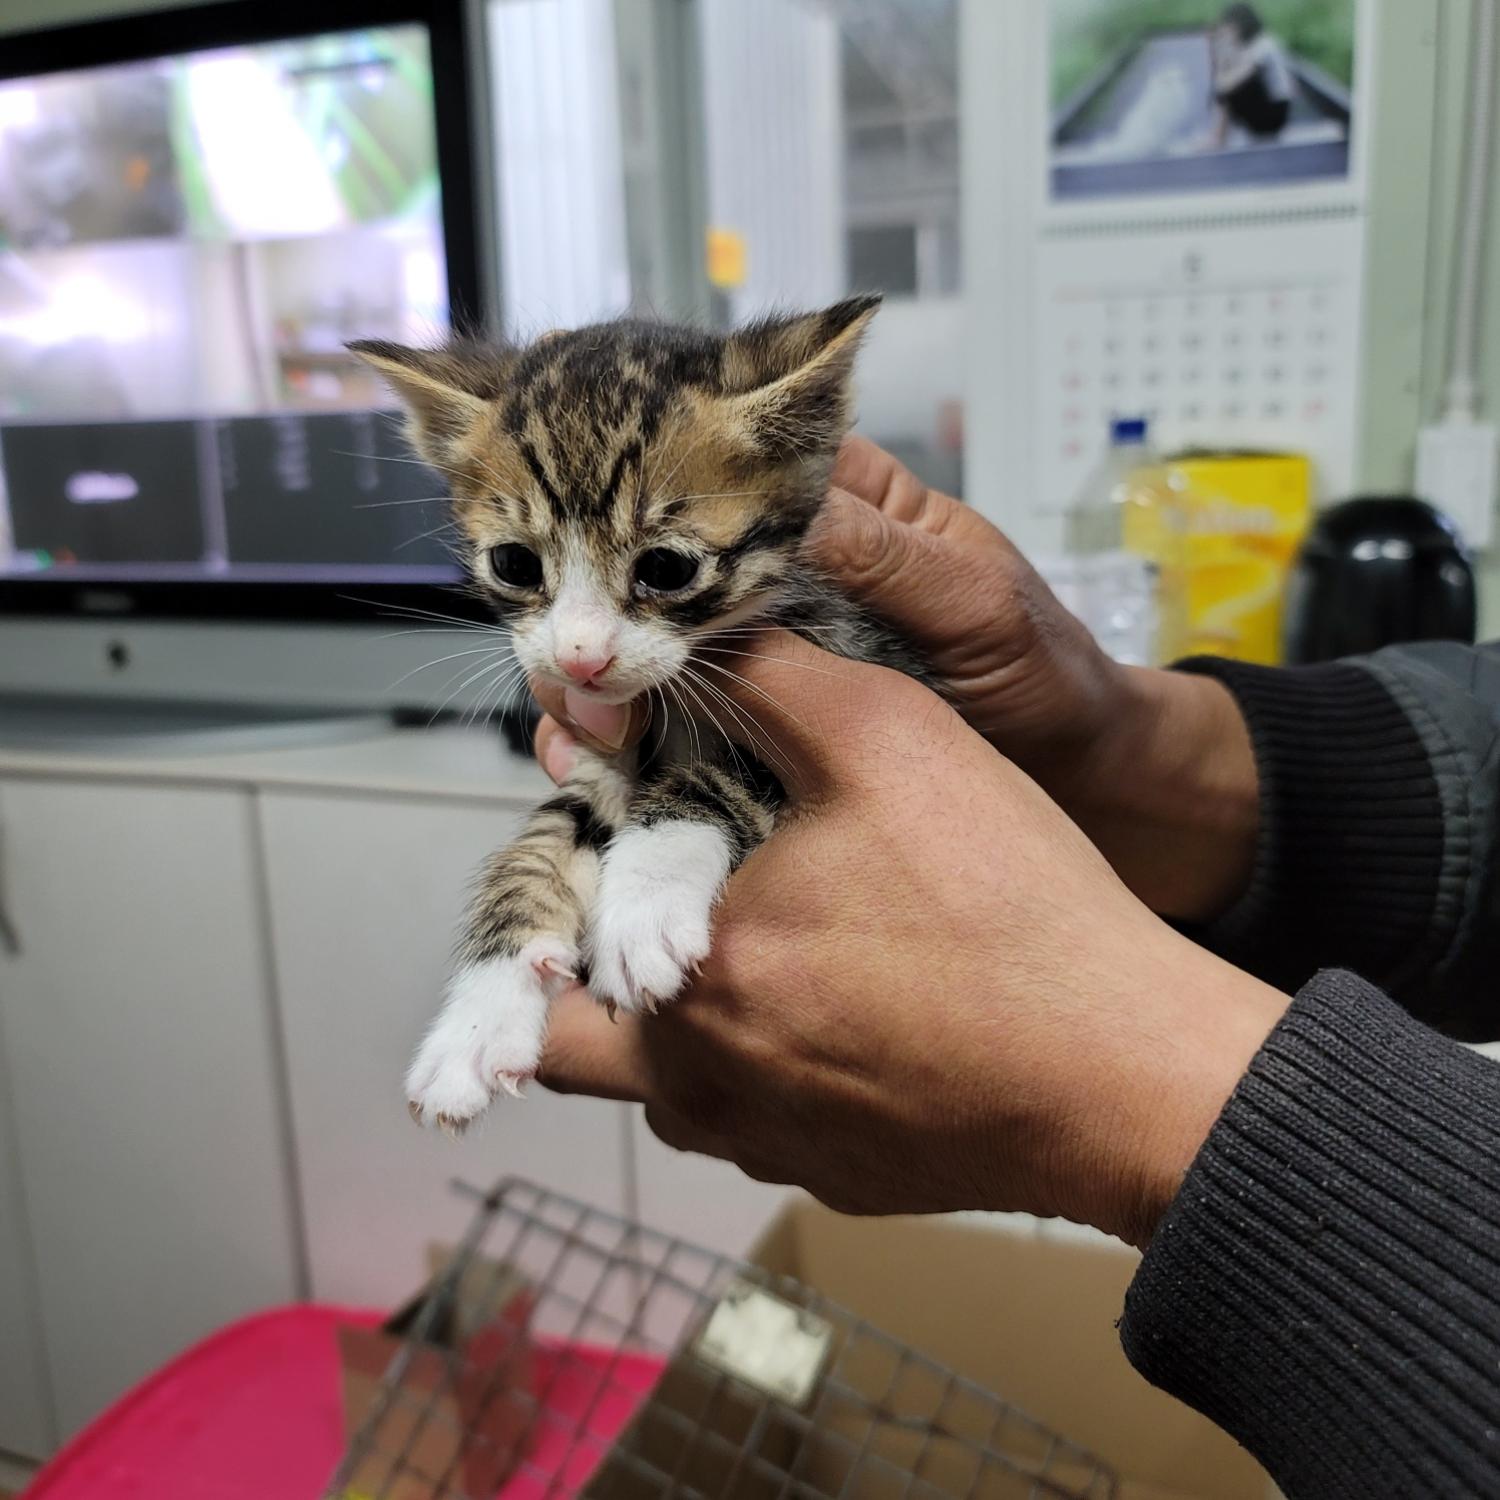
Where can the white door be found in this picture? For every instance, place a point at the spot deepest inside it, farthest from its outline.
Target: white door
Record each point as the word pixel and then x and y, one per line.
pixel 25 1415
pixel 365 897
pixel 140 1049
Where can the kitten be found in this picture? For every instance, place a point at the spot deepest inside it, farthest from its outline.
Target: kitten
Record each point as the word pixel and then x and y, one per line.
pixel 627 492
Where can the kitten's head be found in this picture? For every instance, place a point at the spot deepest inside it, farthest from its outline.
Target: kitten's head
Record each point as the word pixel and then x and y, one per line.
pixel 625 489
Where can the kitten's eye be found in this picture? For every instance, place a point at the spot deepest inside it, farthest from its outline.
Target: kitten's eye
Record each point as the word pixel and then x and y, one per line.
pixel 664 570
pixel 516 566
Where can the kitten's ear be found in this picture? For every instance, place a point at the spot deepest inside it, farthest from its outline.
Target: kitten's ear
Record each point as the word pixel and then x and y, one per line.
pixel 443 390
pixel 789 378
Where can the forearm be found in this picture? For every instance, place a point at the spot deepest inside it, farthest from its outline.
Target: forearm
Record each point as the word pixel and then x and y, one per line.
pixel 1170 795
pixel 1338 1237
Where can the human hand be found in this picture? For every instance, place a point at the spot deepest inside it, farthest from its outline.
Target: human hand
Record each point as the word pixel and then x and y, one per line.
pixel 1156 767
pixel 927 990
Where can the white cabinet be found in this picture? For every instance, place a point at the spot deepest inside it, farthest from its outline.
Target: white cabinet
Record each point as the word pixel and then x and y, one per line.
pixel 365 894
pixel 25 1406
pixel 141 1058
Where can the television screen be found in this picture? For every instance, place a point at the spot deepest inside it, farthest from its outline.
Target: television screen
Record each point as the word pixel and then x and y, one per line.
pixel 186 244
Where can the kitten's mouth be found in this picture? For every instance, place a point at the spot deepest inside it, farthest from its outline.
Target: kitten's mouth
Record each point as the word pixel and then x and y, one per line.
pixel 597 689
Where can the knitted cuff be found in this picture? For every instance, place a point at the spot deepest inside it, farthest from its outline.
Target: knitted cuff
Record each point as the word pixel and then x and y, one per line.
pixel 1326 1285
pixel 1351 842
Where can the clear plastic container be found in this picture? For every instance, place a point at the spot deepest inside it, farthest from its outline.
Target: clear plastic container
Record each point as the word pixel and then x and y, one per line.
pixel 1124 539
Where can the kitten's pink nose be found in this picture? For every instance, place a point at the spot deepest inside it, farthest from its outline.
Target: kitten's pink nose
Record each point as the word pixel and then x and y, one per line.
pixel 586 668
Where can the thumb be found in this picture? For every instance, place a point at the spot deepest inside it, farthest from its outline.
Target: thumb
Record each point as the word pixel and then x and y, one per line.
pixel 792 705
pixel 587 1053
pixel 907 571
pixel 867 550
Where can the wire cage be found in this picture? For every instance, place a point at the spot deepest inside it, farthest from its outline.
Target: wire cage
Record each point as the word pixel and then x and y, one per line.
pixel 565 1351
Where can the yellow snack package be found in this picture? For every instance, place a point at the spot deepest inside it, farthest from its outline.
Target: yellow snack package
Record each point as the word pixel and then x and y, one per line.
pixel 1243 517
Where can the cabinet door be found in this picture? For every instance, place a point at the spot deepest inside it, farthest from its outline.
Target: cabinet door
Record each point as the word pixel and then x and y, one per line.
pixel 25 1417
pixel 365 896
pixel 140 1050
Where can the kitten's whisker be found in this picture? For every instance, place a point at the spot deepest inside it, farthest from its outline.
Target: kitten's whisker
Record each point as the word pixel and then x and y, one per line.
pixel 502 688
pixel 427 463
pixel 387 504
pixel 760 738
pixel 490 472
pixel 766 622
pixel 759 691
pixel 709 635
pixel 410 611
pixel 481 692
pixel 784 661
pixel 707 711
pixel 395 458
pixel 688 452
pixel 695 745
pixel 753 732
pixel 453 676
pixel 474 676
pixel 751 626
pixel 675 708
pixel 482 685
pixel 443 625
pixel 509 692
pixel 422 536
pixel 499 701
pixel 685 681
pixel 692 721
pixel 439 661
pixel 686 685
pixel 661 735
pixel 396 635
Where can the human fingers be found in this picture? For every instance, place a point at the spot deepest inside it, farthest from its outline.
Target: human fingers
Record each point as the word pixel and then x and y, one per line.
pixel 606 727
pixel 588 1053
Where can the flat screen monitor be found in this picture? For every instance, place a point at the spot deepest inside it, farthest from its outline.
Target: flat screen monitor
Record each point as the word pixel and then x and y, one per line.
pixel 197 210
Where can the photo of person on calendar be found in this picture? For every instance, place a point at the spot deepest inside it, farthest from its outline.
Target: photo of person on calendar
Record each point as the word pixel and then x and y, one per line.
pixel 1178 96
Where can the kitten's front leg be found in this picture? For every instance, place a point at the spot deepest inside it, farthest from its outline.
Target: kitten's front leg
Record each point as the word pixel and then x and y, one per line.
pixel 661 877
pixel 519 949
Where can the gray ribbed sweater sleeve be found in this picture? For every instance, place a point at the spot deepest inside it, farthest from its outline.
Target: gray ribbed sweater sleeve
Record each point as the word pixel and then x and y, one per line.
pixel 1379 847
pixel 1326 1286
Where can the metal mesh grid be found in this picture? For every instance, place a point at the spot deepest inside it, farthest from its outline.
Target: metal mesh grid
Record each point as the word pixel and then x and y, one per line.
pixel 604 1296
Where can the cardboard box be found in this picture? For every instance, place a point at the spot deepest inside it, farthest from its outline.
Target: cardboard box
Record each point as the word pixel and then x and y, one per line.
pixel 1030 1319
pixel 451 1420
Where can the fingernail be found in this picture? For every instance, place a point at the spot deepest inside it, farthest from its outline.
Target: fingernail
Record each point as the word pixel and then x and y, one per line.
pixel 605 722
pixel 560 755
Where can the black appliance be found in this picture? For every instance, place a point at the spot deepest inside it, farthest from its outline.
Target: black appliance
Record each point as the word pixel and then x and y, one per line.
pixel 1374 572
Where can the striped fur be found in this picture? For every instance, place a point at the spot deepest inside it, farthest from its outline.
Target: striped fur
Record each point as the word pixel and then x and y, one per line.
pixel 579 455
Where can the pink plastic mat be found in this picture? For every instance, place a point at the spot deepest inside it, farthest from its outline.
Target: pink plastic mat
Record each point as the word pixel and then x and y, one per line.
pixel 254 1413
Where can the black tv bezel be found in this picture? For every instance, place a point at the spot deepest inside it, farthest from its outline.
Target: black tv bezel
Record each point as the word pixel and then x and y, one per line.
pixel 142 36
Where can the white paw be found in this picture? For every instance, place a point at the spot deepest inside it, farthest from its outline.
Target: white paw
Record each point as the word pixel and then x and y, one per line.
pixel 488 1035
pixel 652 913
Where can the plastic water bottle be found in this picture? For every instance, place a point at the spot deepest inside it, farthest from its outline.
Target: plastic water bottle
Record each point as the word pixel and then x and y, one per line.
pixel 1123 531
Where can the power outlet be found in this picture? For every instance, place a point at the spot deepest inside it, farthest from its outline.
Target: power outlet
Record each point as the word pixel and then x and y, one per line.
pixel 1458 465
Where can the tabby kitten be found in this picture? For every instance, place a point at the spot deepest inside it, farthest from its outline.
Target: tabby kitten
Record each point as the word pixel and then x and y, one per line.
pixel 626 492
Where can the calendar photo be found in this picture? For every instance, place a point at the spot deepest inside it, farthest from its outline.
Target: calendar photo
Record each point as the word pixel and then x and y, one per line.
pixel 1150 98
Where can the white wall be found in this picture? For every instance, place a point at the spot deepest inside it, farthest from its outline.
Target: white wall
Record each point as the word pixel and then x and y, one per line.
pixel 557 151
pixel 774 147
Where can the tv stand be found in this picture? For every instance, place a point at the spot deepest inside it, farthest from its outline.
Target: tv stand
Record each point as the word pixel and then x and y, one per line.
pixel 126 727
